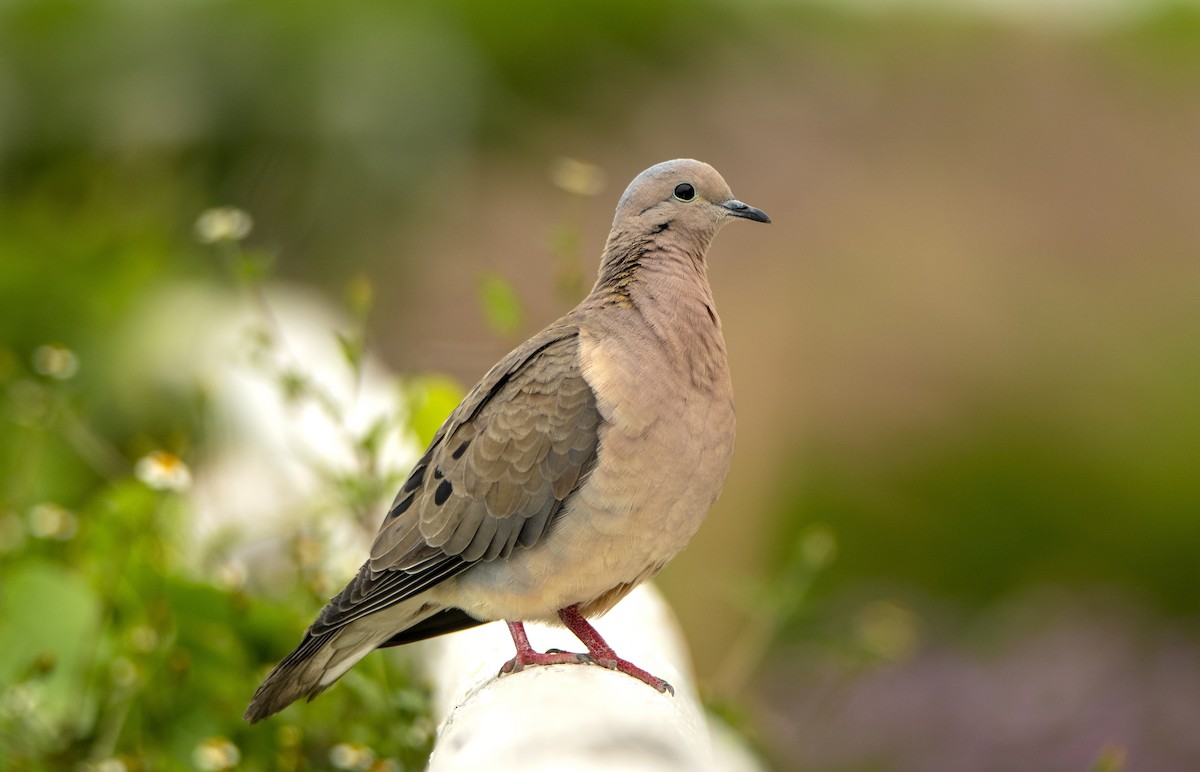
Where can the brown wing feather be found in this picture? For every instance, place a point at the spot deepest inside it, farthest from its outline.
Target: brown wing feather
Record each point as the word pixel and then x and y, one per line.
pixel 503 458
pixel 492 480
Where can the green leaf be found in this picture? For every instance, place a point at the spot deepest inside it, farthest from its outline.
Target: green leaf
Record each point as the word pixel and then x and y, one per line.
pixel 430 400
pixel 352 349
pixel 501 306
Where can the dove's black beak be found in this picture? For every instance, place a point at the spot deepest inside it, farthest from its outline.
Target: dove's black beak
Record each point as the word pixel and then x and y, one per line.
pixel 738 209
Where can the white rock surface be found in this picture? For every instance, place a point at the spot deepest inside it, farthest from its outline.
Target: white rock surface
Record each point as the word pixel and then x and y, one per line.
pixel 574 717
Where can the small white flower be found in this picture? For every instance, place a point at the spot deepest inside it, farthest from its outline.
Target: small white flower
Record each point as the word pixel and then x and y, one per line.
pixel 163 471
pixel 216 753
pixel 51 521
pixel 107 765
pixel 56 361
pixel 351 756
pixel 143 638
pixel 231 575
pixel 223 223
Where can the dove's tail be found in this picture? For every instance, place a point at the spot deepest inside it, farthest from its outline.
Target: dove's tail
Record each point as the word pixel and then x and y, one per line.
pixel 306 672
pixel 323 658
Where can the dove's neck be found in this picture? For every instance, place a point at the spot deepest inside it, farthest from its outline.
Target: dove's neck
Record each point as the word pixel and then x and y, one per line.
pixel 665 283
pixel 630 259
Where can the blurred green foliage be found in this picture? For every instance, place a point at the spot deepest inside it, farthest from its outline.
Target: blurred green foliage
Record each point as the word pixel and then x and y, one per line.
pixel 324 122
pixel 112 650
pixel 1007 504
pixel 117 652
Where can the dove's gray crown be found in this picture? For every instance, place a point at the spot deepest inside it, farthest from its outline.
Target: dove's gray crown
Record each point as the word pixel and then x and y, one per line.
pixel 574 470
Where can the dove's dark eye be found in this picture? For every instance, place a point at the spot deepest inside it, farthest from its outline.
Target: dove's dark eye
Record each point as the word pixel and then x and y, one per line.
pixel 684 192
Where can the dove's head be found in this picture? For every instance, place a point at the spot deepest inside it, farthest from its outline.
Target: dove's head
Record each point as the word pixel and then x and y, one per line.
pixel 685 197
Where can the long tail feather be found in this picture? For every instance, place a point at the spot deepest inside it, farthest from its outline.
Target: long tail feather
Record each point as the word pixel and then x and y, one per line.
pixel 320 660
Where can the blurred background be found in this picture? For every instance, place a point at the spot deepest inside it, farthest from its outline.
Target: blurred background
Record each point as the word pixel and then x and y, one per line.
pixel 252 252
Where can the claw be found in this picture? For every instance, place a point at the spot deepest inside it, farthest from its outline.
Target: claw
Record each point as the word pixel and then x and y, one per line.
pixel 552 657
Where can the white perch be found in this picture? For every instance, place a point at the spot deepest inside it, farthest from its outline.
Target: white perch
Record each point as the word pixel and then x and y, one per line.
pixel 574 717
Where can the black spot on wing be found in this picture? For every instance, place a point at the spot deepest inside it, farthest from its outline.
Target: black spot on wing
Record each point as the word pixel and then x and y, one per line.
pixel 416 478
pixel 457 454
pixel 442 493
pixel 403 506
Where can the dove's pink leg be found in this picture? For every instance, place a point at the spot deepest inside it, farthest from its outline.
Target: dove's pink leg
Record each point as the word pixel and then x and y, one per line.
pixel 599 652
pixel 602 653
pixel 527 657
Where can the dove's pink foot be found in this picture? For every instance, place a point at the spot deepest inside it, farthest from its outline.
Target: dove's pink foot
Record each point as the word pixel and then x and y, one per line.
pixel 599 652
pixel 527 657
pixel 602 654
